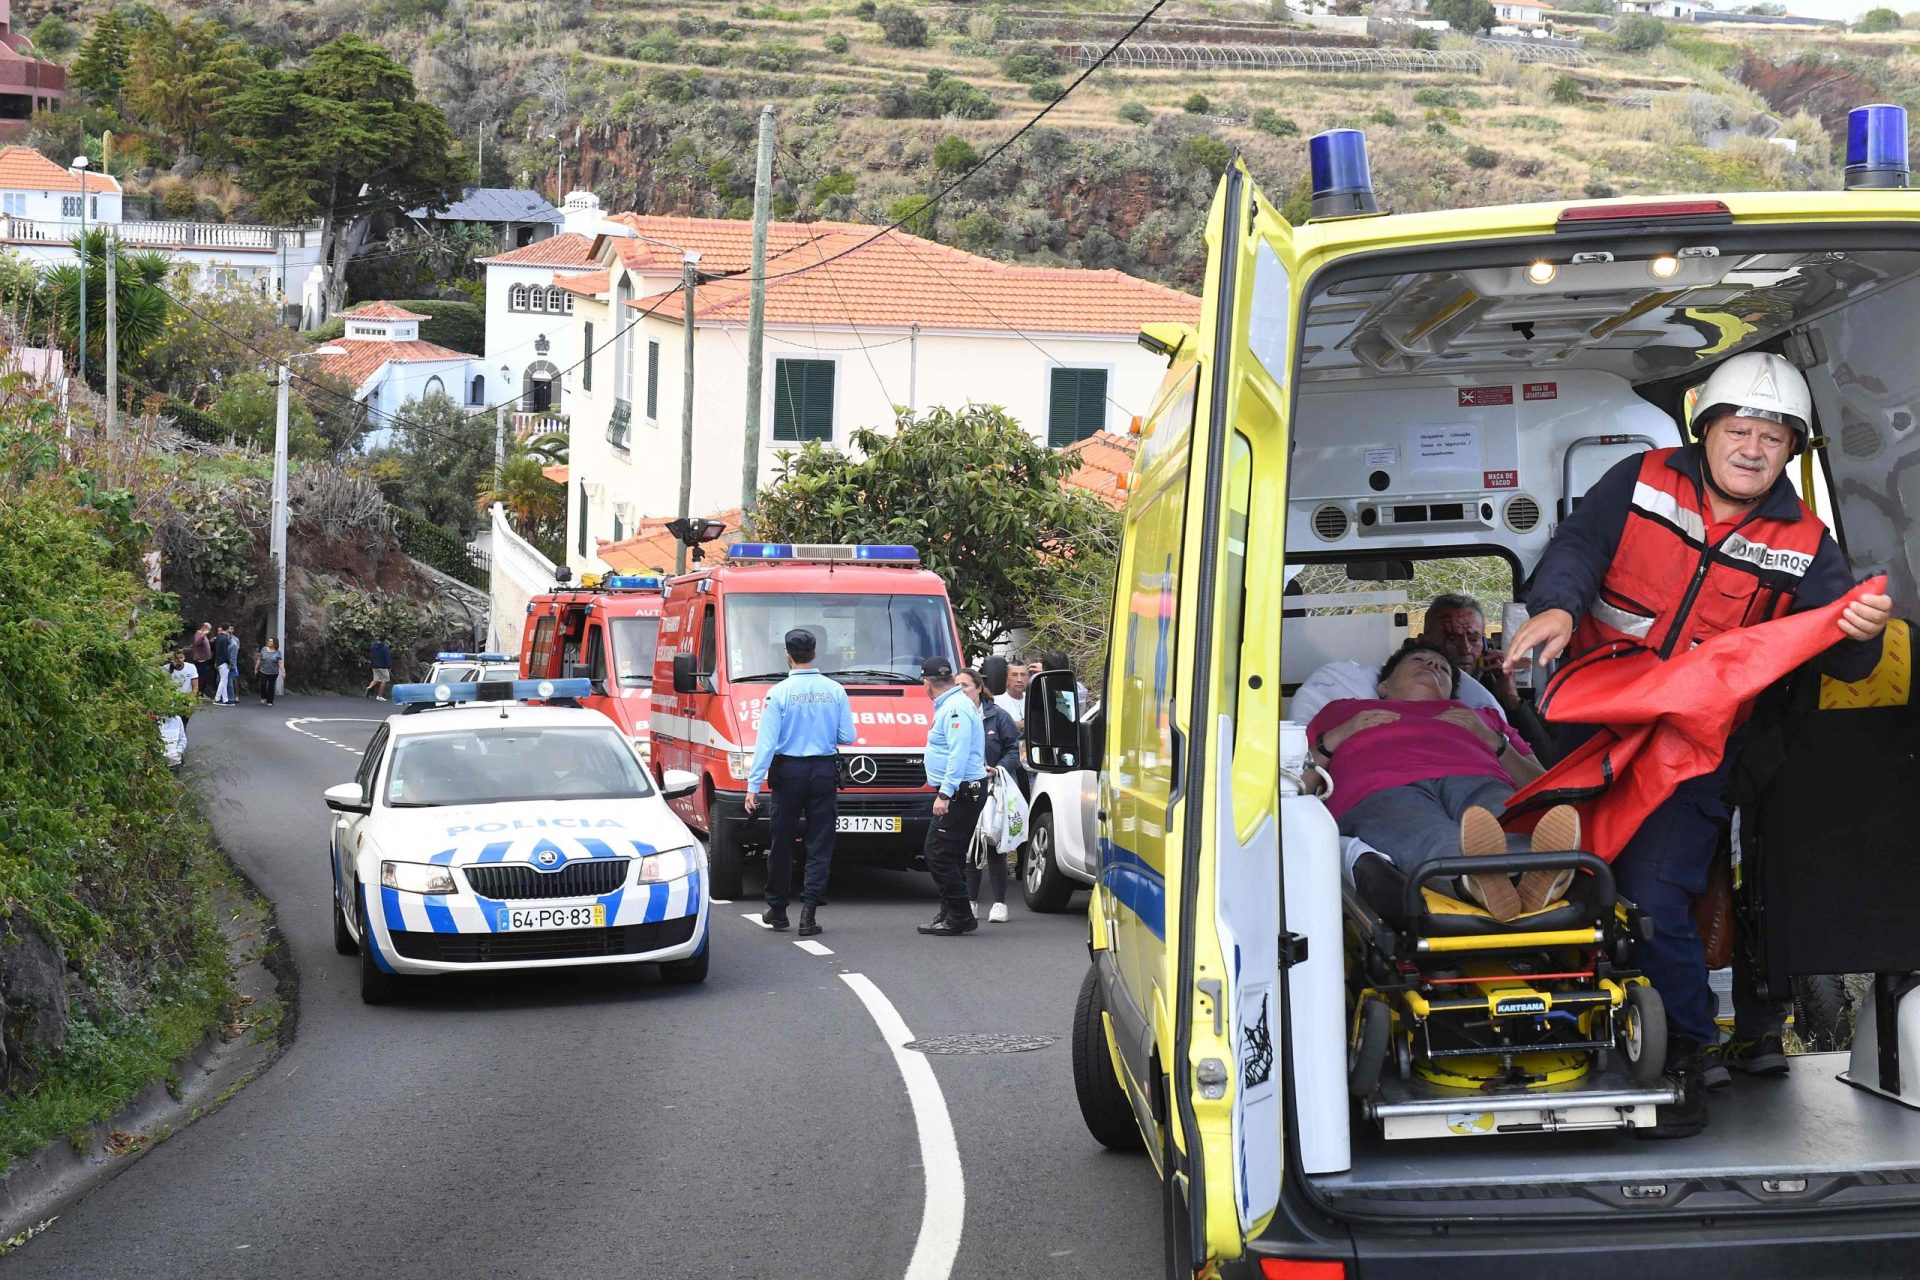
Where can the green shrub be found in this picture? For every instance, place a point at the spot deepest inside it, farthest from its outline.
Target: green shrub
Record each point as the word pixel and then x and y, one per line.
pixel 1480 158
pixel 1383 116
pixel 979 232
pixel 954 154
pixel 1875 20
pixel 1267 120
pixel 914 214
pixel 1421 38
pixel 1046 90
pixel 1598 188
pixel 839 183
pixel 942 95
pixel 1566 91
pixel 1196 104
pixel 1030 62
pixel 1207 153
pixel 52 34
pixel 1432 96
pixel 776 55
pixel 834 43
pixel 865 9
pixel 1135 113
pixel 673 87
pixel 1638 32
pixel 901 26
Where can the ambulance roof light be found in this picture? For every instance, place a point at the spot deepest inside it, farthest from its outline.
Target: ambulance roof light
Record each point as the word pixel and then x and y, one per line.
pixel 633 582
pixel 878 553
pixel 1877 147
pixel 455 692
pixel 1342 185
pixel 471 657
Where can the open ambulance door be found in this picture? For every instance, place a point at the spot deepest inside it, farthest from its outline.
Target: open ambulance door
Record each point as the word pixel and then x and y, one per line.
pixel 1225 1108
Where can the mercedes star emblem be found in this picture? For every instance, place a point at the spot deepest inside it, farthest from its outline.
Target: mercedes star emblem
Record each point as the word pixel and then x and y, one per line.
pixel 863 770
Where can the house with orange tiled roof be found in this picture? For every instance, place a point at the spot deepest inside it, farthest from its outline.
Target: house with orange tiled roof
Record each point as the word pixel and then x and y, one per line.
pixel 859 321
pixel 383 358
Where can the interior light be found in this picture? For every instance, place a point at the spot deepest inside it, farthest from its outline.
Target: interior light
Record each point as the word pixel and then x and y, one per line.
pixel 1542 272
pixel 1663 267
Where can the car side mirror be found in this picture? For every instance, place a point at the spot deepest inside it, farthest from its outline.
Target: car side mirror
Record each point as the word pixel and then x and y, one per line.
pixel 346 798
pixel 686 673
pixel 679 782
pixel 1057 739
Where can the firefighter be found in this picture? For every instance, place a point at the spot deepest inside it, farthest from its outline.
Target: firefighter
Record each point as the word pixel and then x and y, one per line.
pixel 1667 549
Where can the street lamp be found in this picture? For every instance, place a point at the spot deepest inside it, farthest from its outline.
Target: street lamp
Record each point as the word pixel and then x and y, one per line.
pixel 79 166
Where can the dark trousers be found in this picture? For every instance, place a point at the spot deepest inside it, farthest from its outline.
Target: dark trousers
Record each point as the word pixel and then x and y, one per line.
pixel 209 677
pixel 1660 871
pixel 266 683
pixel 946 847
pixel 801 786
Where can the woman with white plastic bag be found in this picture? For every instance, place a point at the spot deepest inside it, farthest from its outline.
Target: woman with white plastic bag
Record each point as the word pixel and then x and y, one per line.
pixel 1003 819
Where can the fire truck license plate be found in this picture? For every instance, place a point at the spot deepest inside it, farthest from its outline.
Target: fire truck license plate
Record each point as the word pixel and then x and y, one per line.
pixel 860 822
pixel 520 919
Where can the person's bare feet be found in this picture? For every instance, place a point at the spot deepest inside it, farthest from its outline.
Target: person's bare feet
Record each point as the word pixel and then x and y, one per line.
pixel 1558 831
pixel 1481 835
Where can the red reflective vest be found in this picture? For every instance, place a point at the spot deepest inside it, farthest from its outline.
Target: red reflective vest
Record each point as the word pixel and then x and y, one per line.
pixel 1667 589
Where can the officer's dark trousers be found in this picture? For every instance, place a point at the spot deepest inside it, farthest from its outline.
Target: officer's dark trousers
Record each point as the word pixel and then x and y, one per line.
pixel 946 847
pixel 1660 870
pixel 802 787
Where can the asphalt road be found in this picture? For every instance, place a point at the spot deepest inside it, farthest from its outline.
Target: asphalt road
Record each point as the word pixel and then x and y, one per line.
pixel 609 1125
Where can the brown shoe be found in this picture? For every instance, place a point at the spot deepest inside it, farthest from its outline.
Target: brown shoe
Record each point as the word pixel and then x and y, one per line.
pixel 1481 835
pixel 1558 831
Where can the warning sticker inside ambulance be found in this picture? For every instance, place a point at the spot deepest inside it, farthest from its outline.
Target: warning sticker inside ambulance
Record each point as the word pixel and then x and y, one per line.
pixel 1543 391
pixel 1471 396
pixel 1500 480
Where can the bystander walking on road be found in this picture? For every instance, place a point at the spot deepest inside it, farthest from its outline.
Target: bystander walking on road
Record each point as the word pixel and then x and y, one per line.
pixel 268 664
pixel 382 655
pixel 957 769
pixel 806 720
pixel 1001 750
pixel 201 653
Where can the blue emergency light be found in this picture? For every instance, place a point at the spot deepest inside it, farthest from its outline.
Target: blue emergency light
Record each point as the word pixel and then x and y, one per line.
pixel 634 582
pixel 453 692
pixel 1877 147
pixel 471 657
pixel 879 553
pixel 1342 184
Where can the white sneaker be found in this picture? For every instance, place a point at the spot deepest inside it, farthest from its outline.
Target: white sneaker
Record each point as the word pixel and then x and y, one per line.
pixel 997 914
pixel 974 907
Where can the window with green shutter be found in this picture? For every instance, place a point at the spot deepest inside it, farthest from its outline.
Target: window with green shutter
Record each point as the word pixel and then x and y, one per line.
pixel 653 381
pixel 1076 405
pixel 802 401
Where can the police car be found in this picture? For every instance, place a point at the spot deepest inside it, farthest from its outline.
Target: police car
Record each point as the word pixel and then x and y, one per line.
pixel 481 833
pixel 471 668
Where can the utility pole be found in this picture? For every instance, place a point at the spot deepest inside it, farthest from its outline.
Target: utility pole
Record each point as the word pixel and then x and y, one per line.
pixel 277 545
pixel 757 311
pixel 80 166
pixel 113 342
pixel 689 278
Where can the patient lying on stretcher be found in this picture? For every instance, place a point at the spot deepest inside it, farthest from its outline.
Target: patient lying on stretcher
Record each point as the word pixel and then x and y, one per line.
pixel 1419 775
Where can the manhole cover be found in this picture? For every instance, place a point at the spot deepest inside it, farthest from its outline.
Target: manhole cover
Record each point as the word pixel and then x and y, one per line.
pixel 981 1044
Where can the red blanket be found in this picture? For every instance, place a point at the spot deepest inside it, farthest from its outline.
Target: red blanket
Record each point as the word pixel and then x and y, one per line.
pixel 1664 722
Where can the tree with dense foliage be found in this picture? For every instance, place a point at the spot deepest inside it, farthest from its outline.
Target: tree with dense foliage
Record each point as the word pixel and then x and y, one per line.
pixel 179 73
pixel 104 56
pixel 342 138
pixel 52 35
pixel 1875 20
pixel 439 459
pixel 1464 15
pixel 1638 32
pixel 970 487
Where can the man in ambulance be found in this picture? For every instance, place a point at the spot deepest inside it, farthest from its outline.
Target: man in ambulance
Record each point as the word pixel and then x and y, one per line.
pixel 1666 550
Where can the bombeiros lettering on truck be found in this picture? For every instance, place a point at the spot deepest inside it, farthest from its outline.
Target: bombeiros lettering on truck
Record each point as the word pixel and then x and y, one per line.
pixel 1338 1078
pixel 876 615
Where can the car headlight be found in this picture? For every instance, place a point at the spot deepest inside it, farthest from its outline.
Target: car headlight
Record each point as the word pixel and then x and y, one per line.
pixel 740 765
pixel 418 877
pixel 643 747
pixel 669 864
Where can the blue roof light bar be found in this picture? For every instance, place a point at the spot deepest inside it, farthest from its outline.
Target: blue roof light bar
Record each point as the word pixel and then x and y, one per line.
pixel 472 657
pixel 454 692
pixel 870 552
pixel 1877 147
pixel 634 582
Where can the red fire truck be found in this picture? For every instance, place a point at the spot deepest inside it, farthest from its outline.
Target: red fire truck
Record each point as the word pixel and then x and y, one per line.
pixel 604 629
pixel 876 614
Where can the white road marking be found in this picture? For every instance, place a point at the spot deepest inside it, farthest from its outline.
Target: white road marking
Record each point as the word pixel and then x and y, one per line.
pixel 755 917
pixel 812 948
pixel 721 902
pixel 945 1210
pixel 295 723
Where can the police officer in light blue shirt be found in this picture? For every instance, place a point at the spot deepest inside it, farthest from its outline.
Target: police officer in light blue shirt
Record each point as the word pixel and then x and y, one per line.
pixel 806 720
pixel 957 769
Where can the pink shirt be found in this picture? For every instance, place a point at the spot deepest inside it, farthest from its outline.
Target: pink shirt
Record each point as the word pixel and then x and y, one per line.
pixel 1414 748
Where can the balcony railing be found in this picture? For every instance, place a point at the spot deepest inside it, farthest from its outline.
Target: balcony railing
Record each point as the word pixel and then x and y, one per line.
pixel 619 425
pixel 171 235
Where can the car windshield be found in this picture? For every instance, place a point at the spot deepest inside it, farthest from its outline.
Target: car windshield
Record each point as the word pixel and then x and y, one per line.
pixel 633 644
pixel 486 766
pixel 873 639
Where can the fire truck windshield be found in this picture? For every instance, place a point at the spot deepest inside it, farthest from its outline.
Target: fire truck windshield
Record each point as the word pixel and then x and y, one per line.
pixel 881 639
pixel 633 644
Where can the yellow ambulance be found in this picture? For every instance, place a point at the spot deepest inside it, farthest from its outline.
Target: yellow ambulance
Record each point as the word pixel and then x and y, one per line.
pixel 1368 394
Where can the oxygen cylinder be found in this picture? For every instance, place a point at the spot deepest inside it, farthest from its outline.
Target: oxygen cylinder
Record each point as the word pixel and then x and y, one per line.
pixel 1316 987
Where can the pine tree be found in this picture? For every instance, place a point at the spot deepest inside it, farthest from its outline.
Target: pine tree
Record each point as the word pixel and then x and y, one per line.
pixel 104 56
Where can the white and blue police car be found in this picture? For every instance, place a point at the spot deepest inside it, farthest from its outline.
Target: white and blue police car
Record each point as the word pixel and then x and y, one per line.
pixel 472 668
pixel 482 834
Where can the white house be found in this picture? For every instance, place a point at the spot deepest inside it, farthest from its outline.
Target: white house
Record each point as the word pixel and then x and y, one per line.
pixel 41 212
pixel 383 358
pixel 1672 10
pixel 530 332
pixel 855 325
pixel 1519 13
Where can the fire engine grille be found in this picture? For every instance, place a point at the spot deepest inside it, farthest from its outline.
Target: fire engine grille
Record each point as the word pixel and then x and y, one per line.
pixel 504 880
pixel 893 771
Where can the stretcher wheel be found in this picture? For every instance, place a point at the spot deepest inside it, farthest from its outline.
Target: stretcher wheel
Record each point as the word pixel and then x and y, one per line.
pixel 1367 1054
pixel 1643 1035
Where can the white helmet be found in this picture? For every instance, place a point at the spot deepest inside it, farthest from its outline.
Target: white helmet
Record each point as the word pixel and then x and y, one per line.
pixel 1756 384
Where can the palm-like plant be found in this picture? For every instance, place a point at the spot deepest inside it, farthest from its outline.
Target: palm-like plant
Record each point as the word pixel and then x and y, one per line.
pixel 538 505
pixel 141 299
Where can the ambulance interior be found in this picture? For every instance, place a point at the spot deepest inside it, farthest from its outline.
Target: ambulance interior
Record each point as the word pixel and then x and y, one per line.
pixel 1449 409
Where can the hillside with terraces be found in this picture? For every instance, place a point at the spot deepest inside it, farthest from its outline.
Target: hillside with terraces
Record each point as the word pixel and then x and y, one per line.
pixel 653 106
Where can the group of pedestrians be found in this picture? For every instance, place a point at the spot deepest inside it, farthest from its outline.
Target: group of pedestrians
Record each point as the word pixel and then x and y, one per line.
pixel 214 652
pixel 973 744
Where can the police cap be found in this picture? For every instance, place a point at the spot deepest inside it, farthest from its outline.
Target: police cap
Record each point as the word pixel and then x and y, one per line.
pixel 936 669
pixel 800 644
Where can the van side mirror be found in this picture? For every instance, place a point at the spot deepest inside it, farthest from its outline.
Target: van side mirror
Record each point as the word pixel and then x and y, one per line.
pixel 1058 737
pixel 686 673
